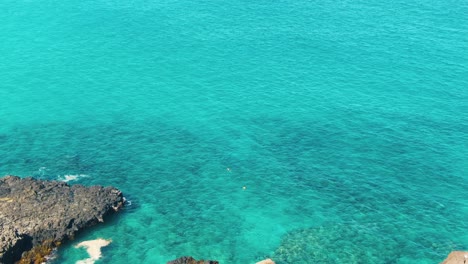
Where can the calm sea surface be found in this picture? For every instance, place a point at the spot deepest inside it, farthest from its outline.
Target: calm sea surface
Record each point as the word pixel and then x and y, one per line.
pixel 305 131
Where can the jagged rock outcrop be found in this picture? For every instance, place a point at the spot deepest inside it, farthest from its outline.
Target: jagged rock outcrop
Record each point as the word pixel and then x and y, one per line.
pixel 456 257
pixel 190 260
pixel 38 215
pixel 266 261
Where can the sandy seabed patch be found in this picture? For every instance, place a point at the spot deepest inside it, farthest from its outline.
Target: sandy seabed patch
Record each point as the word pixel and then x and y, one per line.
pixel 93 247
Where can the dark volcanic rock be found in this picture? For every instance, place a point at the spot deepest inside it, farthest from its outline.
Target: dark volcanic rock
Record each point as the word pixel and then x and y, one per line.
pixel 190 260
pixel 34 212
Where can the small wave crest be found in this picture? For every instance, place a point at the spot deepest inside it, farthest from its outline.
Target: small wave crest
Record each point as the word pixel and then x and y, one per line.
pixel 71 177
pixel 127 202
pixel 52 257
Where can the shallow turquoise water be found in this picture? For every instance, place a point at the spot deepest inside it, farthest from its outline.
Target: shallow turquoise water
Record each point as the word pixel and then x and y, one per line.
pixel 345 121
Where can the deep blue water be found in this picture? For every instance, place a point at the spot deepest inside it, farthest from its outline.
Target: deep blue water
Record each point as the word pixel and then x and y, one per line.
pixel 345 121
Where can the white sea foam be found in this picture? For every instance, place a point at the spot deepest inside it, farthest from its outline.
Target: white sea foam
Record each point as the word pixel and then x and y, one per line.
pixel 93 247
pixel 127 202
pixel 41 171
pixel 72 177
pixel 51 258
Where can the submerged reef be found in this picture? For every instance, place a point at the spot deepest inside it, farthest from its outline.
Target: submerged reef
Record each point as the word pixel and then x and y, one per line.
pixel 351 243
pixel 37 215
pixel 319 245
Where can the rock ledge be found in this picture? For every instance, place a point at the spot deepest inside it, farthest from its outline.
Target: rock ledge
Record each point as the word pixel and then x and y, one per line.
pixel 36 215
pixel 190 260
pixel 456 257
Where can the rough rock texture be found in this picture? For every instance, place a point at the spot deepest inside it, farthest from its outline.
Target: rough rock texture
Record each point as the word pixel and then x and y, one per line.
pixel 456 257
pixel 190 260
pixel 35 212
pixel 266 261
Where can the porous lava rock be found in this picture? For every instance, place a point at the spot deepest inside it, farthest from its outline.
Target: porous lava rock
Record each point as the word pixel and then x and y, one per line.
pixel 190 260
pixel 36 215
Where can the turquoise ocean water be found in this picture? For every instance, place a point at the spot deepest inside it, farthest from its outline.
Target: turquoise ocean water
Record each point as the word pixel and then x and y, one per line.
pixel 345 121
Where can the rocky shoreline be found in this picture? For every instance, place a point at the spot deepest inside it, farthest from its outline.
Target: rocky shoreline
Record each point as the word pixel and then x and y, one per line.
pixel 37 215
pixel 190 260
